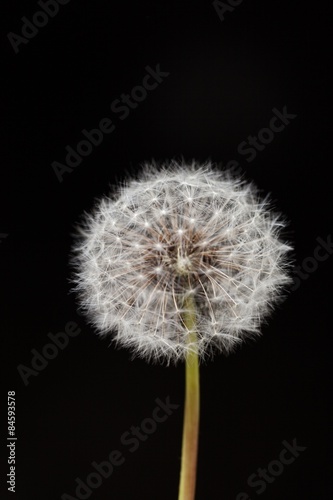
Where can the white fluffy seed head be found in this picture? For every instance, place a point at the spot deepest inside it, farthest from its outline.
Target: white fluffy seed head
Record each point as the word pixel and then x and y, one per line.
pixel 173 231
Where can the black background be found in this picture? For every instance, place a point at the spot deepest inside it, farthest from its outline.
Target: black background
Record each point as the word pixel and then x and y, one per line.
pixel 225 78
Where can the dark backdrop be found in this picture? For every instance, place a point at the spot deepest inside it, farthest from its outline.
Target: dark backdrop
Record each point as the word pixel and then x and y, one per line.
pixel 225 71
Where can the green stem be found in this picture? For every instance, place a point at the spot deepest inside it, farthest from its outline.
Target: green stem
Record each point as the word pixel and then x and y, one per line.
pixel 192 409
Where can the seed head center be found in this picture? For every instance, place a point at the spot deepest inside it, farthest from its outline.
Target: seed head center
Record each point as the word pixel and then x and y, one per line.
pixel 183 263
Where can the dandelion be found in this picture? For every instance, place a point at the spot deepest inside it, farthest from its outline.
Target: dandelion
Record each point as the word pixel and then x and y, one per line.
pixel 180 263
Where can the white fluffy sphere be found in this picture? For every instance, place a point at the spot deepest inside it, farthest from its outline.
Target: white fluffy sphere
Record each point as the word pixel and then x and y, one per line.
pixel 174 231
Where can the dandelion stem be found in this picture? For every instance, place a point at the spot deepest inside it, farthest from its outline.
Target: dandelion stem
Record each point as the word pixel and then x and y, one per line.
pixel 192 409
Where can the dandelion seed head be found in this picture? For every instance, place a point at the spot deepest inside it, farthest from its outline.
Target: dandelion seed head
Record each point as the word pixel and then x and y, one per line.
pixel 176 231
